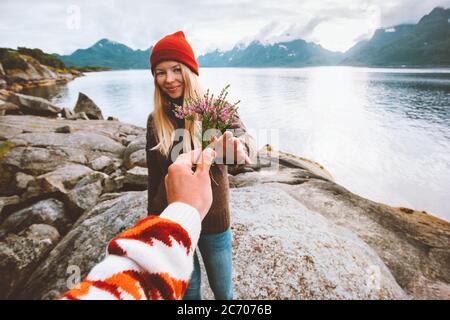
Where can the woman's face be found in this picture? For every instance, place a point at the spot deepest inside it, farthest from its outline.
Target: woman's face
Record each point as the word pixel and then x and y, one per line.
pixel 169 78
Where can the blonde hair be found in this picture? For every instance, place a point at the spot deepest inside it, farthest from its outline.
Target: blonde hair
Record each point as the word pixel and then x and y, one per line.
pixel 165 130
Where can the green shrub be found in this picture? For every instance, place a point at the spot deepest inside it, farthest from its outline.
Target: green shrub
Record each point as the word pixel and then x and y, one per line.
pixel 10 59
pixel 42 57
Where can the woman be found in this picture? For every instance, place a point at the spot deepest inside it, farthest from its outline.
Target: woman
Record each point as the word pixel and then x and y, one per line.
pixel 175 72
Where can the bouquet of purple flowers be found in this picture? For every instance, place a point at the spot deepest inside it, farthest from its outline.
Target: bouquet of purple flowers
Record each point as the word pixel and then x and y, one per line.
pixel 212 116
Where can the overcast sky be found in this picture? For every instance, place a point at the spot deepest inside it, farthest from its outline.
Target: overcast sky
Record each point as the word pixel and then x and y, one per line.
pixel 61 26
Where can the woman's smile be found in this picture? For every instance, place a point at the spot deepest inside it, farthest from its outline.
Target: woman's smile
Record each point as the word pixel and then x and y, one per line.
pixel 174 92
pixel 174 89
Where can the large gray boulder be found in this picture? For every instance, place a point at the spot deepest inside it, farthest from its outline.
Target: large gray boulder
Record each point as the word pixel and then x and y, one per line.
pixel 282 250
pixel 415 246
pixel 84 245
pixel 86 105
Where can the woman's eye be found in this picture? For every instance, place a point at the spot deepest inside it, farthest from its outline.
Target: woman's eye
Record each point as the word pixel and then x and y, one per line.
pixel 177 70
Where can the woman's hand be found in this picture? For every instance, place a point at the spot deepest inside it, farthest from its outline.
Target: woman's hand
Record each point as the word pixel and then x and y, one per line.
pixel 230 149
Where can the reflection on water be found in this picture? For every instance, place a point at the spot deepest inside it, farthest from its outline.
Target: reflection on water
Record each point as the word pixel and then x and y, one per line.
pixel 383 133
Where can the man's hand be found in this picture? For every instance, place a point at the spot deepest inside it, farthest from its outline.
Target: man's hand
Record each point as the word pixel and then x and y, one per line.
pixel 230 149
pixel 187 186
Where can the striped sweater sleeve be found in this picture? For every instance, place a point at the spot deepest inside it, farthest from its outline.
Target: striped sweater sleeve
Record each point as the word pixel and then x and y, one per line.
pixel 152 260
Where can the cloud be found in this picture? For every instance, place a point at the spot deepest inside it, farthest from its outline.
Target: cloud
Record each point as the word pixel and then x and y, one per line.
pixel 208 25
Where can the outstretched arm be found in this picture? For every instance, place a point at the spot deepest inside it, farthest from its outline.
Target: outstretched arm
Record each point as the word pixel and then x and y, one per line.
pixel 152 260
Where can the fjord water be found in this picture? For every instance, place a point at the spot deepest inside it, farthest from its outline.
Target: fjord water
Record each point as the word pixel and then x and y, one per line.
pixel 382 133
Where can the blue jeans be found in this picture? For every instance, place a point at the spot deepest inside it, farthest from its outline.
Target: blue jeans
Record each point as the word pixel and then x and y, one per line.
pixel 216 251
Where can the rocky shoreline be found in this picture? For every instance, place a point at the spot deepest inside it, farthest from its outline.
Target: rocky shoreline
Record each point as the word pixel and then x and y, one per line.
pixel 33 74
pixel 70 181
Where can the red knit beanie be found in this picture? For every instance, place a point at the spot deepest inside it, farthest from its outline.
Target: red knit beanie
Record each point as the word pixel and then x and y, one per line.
pixel 173 47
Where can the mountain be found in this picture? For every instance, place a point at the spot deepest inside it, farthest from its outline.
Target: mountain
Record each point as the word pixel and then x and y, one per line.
pixel 426 43
pixel 296 53
pixel 107 53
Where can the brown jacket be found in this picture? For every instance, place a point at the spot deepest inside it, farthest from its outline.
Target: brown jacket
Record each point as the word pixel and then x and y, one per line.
pixel 218 217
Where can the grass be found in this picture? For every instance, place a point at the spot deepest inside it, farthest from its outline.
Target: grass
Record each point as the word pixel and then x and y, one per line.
pixel 5 147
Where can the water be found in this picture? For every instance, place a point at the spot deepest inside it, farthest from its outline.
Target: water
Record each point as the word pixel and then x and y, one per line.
pixel 382 133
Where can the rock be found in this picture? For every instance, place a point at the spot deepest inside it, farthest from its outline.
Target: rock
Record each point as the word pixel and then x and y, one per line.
pixel 113 184
pixel 112 119
pixel 32 192
pixel 137 144
pixel 299 254
pixel 86 193
pixel 42 232
pixel 15 87
pixel 297 234
pixel 49 211
pixel 22 180
pixel 8 107
pixel 110 196
pixel 35 74
pixel 2 71
pixel 76 116
pixel 404 241
pixel 84 245
pixel 19 255
pixel 63 178
pixel 137 158
pixel 38 152
pixel 40 160
pixel 136 178
pixel 6 201
pixel 34 105
pixel 86 105
pixel 103 163
pixel 11 126
pixel 128 139
pixel 281 175
pixel 295 253
pixel 79 140
pixel 4 94
pixel 64 129
pixel 68 113
pixel 80 116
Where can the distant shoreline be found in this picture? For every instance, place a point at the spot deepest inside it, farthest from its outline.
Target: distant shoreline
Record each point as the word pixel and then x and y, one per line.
pixel 446 68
